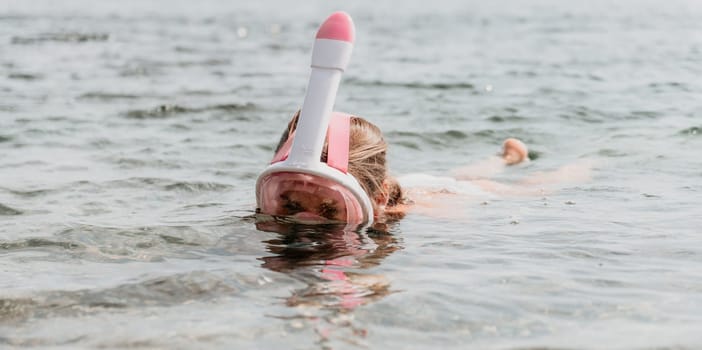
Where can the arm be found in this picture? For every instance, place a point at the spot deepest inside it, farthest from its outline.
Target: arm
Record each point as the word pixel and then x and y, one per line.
pixel 513 152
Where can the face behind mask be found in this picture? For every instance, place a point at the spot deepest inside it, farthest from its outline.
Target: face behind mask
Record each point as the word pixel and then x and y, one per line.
pixel 297 183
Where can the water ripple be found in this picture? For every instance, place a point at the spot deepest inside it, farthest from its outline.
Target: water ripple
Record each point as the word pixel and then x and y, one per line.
pixel 131 134
pixel 165 111
pixel 414 85
pixel 197 187
pixel 108 96
pixel 506 118
pixel 160 291
pixel 441 138
pixel 691 131
pixel 5 210
pixel 169 185
pixel 71 37
pixel 25 76
pixel 38 243
pixel 28 193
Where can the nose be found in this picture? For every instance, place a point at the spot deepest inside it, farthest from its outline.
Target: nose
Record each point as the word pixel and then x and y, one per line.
pixel 308 216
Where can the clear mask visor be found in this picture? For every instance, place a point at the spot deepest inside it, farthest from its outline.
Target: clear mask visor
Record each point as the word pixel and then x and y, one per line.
pixel 309 198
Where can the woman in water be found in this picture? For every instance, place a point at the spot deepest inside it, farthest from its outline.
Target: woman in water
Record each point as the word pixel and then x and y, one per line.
pixel 330 166
pixel 390 198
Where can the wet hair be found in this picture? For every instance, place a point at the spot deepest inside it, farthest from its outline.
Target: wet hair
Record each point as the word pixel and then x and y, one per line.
pixel 367 161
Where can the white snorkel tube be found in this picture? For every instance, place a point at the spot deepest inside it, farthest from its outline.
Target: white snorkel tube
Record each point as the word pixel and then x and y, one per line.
pixel 330 57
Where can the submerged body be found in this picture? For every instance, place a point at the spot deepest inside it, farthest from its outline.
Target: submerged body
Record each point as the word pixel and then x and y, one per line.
pixel 308 198
pixel 331 166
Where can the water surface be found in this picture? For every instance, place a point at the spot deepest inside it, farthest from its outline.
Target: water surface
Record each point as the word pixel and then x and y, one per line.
pixel 131 135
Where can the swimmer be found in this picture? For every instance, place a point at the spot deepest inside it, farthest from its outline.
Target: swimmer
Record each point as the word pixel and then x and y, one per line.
pixel 331 167
pixel 308 199
pixel 311 197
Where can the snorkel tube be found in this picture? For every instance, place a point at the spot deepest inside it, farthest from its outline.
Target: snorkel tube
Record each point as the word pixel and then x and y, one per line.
pixel 330 57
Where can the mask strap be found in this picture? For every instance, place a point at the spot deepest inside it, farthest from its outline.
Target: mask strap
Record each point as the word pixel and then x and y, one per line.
pixel 284 150
pixel 338 135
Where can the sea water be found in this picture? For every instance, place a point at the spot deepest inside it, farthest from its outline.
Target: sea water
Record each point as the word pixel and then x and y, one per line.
pixel 132 132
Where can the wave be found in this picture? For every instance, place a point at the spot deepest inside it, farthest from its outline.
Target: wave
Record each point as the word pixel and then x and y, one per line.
pixel 439 137
pixel 165 111
pixel 133 182
pixel 72 37
pixel 27 193
pixel 414 85
pixel 674 86
pixel 106 96
pixel 197 187
pixel 5 210
pixel 25 76
pixel 133 163
pixel 170 185
pixel 506 118
pixel 691 131
pixel 38 243
pixel 161 291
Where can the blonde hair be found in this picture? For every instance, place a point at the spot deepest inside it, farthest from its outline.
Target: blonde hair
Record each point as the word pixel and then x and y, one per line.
pixel 367 161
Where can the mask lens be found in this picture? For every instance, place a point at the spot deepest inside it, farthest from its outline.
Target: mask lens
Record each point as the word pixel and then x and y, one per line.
pixel 308 197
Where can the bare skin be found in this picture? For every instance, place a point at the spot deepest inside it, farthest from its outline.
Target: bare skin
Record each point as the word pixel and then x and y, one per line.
pixel 513 152
pixel 437 196
pixel 446 204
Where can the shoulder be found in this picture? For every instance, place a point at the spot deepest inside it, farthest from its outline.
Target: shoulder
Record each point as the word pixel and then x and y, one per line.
pixel 427 183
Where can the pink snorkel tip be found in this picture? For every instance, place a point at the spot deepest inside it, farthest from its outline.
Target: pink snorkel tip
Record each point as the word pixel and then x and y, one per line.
pixel 338 26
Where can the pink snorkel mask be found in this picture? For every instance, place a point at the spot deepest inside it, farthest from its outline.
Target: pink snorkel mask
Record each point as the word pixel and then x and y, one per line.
pixel 297 183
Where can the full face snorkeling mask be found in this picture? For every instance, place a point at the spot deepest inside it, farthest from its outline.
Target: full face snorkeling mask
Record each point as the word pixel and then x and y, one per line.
pixel 296 174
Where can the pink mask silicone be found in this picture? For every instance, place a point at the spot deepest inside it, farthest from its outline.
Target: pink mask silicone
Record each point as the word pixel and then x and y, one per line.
pixel 338 135
pixel 308 197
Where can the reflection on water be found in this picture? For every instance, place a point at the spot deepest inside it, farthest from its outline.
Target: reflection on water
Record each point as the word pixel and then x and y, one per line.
pixel 332 261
